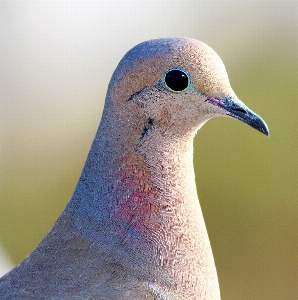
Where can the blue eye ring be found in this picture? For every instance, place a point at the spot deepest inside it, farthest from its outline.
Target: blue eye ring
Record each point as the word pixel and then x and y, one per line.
pixel 176 79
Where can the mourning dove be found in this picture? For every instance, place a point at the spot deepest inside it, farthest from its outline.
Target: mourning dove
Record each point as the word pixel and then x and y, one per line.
pixel 133 228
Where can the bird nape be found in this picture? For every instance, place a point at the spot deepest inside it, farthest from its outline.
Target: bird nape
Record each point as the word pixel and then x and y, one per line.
pixel 133 228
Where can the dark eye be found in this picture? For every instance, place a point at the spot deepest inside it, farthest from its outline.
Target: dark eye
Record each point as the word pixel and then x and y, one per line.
pixel 176 80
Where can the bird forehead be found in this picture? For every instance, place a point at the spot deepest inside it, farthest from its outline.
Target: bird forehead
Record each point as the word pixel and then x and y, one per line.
pixel 144 65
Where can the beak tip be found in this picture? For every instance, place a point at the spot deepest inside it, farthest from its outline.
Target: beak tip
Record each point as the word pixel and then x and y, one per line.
pixel 263 128
pixel 267 134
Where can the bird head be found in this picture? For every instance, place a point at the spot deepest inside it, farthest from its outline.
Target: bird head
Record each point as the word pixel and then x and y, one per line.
pixel 175 85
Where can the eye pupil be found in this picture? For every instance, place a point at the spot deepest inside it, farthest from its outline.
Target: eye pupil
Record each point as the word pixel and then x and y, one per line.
pixel 176 80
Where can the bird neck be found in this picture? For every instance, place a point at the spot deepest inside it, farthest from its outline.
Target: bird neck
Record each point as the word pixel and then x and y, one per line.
pixel 137 200
pixel 140 184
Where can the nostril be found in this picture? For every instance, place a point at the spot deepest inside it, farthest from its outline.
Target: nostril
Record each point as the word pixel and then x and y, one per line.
pixel 240 109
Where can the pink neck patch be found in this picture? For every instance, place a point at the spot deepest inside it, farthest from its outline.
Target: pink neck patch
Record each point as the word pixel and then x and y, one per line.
pixel 136 209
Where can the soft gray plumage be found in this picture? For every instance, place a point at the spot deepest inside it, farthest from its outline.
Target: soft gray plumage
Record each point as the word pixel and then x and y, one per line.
pixel 133 228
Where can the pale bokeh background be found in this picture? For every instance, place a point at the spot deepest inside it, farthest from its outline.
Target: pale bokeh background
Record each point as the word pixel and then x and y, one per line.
pixel 56 61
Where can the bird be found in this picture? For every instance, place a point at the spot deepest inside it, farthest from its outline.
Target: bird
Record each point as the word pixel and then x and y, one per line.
pixel 134 228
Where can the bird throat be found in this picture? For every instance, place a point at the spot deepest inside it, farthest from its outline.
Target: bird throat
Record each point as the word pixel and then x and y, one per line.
pixel 138 208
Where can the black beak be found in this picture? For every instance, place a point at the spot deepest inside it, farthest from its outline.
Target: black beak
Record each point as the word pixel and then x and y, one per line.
pixel 237 110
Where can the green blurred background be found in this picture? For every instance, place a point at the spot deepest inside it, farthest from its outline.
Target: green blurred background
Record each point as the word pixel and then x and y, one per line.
pixel 56 61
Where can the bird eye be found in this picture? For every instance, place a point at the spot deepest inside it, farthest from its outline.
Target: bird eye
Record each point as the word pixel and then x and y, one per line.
pixel 176 80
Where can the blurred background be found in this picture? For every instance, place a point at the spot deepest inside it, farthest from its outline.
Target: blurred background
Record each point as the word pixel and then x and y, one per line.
pixel 57 58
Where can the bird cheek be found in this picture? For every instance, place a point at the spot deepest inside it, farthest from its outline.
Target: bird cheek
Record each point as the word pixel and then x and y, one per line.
pixel 165 115
pixel 215 111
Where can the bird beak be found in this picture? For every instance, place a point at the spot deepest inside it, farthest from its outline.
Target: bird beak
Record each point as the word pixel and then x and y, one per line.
pixel 236 109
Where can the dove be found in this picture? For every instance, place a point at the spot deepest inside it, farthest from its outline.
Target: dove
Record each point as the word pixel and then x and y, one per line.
pixel 133 228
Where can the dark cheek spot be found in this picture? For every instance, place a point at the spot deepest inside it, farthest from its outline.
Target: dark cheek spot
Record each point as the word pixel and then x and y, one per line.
pixel 150 121
pixel 148 126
